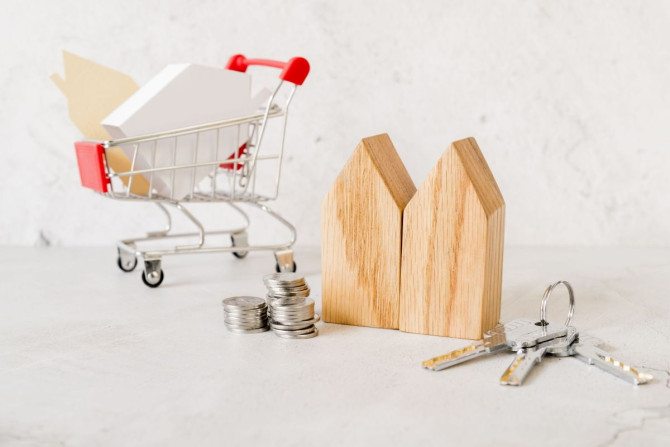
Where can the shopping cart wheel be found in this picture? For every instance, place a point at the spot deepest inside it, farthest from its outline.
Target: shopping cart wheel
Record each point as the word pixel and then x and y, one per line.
pixel 153 281
pixel 152 275
pixel 126 263
pixel 239 240
pixel 279 270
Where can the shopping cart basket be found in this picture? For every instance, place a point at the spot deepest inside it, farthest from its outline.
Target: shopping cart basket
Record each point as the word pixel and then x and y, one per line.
pixel 234 179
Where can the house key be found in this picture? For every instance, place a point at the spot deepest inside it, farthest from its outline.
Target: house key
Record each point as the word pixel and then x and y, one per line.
pixel 585 349
pixel 516 335
pixel 581 346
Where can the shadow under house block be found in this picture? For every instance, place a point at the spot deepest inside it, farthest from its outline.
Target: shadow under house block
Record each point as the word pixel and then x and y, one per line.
pixel 361 237
pixel 452 250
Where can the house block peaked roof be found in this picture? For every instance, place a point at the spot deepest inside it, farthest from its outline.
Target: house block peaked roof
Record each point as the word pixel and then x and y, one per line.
pixel 361 236
pixel 453 235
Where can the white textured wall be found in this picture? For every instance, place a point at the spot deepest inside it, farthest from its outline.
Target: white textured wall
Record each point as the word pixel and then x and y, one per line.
pixel 570 103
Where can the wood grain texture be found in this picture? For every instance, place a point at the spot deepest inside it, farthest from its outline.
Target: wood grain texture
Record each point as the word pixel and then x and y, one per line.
pixel 361 223
pixel 452 251
pixel 93 91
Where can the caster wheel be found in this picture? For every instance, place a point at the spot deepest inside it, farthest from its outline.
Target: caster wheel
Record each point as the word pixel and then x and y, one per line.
pixel 126 265
pixel 238 254
pixel 154 279
pixel 295 268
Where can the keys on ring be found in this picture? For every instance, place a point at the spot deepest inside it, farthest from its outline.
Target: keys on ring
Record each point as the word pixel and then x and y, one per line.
pixel 532 340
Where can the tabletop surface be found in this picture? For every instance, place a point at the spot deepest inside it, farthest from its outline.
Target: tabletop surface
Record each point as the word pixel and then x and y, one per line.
pixel 91 356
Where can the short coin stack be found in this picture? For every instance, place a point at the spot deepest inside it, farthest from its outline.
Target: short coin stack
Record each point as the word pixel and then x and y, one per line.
pixel 290 308
pixel 245 314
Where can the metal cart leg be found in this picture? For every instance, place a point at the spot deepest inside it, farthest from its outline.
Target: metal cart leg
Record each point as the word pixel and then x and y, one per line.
pixel 168 227
pixel 239 240
pixel 126 260
pixel 196 222
pixel 152 275
pixel 285 262
pixel 283 253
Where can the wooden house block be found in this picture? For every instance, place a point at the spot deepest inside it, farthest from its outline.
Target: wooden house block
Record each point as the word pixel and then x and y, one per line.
pixel 452 251
pixel 93 91
pixel 361 237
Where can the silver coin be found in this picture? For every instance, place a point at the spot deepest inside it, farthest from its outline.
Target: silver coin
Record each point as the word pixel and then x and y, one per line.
pixel 242 322
pixel 307 330
pixel 290 312
pixel 287 299
pixel 245 319
pixel 302 315
pixel 246 314
pixel 289 294
pixel 249 331
pixel 283 319
pixel 288 287
pixel 284 292
pixel 243 302
pixel 292 308
pixel 284 277
pixel 249 314
pixel 291 326
pixel 284 301
pixel 285 327
pixel 297 307
pixel 285 288
pixel 245 326
pixel 247 322
pixel 304 302
pixel 299 336
pixel 292 323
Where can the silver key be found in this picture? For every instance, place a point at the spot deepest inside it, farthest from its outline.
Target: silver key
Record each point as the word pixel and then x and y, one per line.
pixel 585 349
pixel 527 358
pixel 517 334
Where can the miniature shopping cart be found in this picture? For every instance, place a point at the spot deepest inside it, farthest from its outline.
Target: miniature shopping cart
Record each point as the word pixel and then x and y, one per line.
pixel 235 179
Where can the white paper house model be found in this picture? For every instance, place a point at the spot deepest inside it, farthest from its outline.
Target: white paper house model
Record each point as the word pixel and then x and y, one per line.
pixel 179 96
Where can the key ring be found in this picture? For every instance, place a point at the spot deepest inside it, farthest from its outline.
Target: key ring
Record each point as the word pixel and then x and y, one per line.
pixel 545 298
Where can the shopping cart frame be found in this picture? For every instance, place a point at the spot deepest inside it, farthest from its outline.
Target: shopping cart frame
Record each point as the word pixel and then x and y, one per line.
pixel 237 172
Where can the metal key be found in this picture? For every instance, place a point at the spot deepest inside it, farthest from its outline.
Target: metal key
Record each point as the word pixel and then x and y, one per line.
pixel 527 358
pixel 517 334
pixel 585 349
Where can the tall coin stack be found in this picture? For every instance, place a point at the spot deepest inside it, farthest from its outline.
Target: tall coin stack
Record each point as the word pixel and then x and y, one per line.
pixel 291 310
pixel 245 314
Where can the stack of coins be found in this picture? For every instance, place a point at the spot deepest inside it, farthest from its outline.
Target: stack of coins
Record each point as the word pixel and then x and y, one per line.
pixel 291 311
pixel 245 314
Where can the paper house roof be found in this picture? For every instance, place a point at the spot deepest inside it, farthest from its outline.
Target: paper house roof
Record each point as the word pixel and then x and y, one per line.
pixel 181 95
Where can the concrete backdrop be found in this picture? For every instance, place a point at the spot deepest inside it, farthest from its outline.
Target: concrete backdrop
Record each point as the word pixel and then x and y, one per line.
pixel 569 101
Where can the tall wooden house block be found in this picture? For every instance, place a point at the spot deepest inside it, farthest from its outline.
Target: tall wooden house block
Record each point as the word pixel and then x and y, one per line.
pixel 361 237
pixel 453 248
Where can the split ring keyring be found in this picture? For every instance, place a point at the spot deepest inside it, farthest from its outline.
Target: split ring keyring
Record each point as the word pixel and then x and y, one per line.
pixel 545 298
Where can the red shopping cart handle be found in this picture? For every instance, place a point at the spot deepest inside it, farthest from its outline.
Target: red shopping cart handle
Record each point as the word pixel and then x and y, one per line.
pixel 91 161
pixel 295 70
